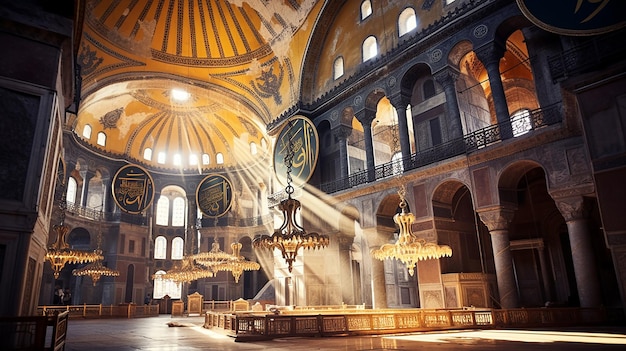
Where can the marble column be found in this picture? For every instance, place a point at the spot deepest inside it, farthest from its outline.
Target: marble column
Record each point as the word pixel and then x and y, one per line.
pixel 497 221
pixel 342 133
pixel 547 283
pixel 377 269
pixel 447 78
pixel 585 268
pixel 85 191
pixel 366 117
pixel 490 55
pixel 400 102
pixel 345 269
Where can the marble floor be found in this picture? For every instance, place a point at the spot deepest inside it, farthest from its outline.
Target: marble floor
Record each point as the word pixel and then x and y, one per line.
pixel 165 333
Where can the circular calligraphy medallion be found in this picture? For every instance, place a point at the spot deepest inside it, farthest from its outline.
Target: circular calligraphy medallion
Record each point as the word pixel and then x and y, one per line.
pixel 299 136
pixel 575 17
pixel 133 189
pixel 214 195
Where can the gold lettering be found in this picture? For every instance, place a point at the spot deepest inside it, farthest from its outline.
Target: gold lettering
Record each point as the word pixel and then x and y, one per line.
pixel 603 3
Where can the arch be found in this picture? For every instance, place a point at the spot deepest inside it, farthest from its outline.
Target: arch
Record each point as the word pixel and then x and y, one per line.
pixel 338 68
pixel 160 247
pixel 407 21
pixel 178 248
pixel 366 9
pixel 72 188
pixel 369 48
pixel 102 139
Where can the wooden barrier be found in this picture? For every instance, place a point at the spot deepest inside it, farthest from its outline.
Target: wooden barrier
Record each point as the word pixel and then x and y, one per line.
pixel 247 326
pixel 102 311
pixel 46 332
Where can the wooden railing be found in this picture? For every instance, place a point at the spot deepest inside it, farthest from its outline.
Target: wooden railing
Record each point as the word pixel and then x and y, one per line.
pixel 102 311
pixel 255 325
pixel 45 332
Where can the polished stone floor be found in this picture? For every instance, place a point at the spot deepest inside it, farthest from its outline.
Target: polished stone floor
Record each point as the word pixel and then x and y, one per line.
pixel 156 334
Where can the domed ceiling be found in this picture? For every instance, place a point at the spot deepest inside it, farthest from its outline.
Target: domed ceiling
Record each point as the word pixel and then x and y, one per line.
pixel 166 82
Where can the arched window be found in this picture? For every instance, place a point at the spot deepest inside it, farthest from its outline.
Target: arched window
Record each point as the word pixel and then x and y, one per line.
pixel 87 131
pixel 147 154
pixel 70 196
pixel 164 287
pixel 520 122
pixel 206 159
pixel 429 89
pixel 366 9
pixel 370 48
pixel 178 212
pixel 407 21
pixel 161 157
pixel 178 246
pixel 253 149
pixel 102 139
pixel 160 248
pixel 219 158
pixel 338 68
pixel 193 160
pixel 177 160
pixel 162 211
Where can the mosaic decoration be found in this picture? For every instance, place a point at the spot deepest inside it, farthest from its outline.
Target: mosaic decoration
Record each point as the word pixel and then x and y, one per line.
pixel 268 83
pixel 300 135
pixel 576 17
pixel 88 60
pixel 214 195
pixel 133 189
pixel 109 120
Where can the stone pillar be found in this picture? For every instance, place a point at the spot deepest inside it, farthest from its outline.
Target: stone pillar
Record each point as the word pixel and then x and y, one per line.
pixel 447 78
pixel 585 268
pixel 85 192
pixel 400 102
pixel 366 117
pixel 547 283
pixel 541 45
pixel 497 221
pixel 379 289
pixel 490 55
pixel 342 133
pixel 345 269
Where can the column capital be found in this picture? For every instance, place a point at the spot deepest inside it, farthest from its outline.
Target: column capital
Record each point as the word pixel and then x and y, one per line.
pixel 400 100
pixel 366 116
pixel 446 76
pixel 490 53
pixel 342 132
pixel 572 207
pixel 498 218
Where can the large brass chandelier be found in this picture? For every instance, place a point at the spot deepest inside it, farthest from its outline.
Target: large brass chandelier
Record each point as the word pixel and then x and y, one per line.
pixel 60 253
pixel 409 249
pixel 291 236
pixel 236 263
pixel 187 271
pixel 96 269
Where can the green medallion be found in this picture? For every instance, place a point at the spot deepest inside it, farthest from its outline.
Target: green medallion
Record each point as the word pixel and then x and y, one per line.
pixel 133 189
pixel 299 135
pixel 214 195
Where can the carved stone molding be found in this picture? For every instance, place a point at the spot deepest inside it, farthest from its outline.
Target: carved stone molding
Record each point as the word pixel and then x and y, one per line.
pixel 342 132
pixel 572 208
pixel 497 219
pixel 490 53
pixel 446 76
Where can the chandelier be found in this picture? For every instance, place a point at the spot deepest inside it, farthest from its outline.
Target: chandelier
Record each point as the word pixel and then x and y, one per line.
pixel 96 270
pixel 60 253
pixel 409 249
pixel 236 263
pixel 187 271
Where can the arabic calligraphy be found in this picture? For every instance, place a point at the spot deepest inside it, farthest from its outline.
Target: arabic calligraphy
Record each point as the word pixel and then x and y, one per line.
pixel 300 136
pixel 575 17
pixel 603 3
pixel 133 189
pixel 214 195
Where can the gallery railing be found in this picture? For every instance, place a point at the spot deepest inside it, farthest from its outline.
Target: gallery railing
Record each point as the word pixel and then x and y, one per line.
pixel 251 326
pixel 523 124
pixel 126 310
pixel 43 332
pixel 591 55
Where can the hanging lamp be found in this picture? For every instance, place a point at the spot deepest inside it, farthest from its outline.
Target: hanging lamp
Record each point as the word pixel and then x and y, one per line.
pixel 408 249
pixel 96 270
pixel 291 236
